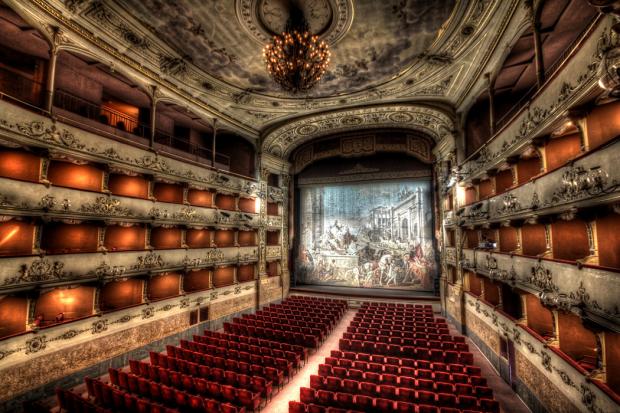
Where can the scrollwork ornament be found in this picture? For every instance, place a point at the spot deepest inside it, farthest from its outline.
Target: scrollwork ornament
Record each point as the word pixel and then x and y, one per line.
pixel 36 344
pixel 39 271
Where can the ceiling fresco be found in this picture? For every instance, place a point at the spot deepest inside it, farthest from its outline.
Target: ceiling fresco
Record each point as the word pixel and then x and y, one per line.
pixel 383 38
pixel 207 56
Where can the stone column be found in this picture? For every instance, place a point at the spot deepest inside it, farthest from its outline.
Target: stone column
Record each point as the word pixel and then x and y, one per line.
pixel 51 71
pixel 153 122
pixel 491 94
pixel 538 50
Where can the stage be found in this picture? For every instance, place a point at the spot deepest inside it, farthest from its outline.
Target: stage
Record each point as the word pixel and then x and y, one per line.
pixel 382 294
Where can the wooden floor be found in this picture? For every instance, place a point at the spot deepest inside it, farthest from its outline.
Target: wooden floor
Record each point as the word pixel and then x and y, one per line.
pixel 509 401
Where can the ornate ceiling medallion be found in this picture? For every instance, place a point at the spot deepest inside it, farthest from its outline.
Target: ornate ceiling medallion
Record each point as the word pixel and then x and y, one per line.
pixel 329 19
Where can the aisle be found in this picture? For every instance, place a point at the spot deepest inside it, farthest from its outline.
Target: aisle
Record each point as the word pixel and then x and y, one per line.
pixel 508 400
pixel 279 403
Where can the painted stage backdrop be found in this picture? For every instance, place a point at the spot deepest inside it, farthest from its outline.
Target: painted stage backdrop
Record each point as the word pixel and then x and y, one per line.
pixel 371 234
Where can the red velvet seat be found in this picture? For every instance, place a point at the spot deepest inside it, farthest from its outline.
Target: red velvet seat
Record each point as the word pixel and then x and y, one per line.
pixel 372 377
pixel 426 397
pixel 315 408
pixel 384 405
pixel 467 402
pixel 386 391
pixel 325 397
pixel 333 383
pixel 316 381
pixel 425 408
pixel 339 372
pixel 356 374
pixel 483 392
pixel 404 407
pixel 446 399
pixel 325 370
pixel 391 379
pixel 368 389
pixel 350 386
pixel 344 400
pixel 296 407
pixel 443 387
pixel 307 395
pixel 490 406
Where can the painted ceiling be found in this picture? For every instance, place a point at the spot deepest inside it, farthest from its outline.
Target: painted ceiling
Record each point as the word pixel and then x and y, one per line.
pixel 395 63
pixel 384 38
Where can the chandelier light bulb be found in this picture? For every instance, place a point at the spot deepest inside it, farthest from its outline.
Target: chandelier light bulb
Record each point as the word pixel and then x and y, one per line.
pixel 296 60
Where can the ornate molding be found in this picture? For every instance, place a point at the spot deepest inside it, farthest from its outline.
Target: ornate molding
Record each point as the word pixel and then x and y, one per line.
pixel 432 122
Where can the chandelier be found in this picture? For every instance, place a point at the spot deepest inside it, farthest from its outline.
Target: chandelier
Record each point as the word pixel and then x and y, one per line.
pixel 296 59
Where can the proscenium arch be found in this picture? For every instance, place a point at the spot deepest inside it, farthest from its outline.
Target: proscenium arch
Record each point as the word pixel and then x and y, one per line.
pixel 428 120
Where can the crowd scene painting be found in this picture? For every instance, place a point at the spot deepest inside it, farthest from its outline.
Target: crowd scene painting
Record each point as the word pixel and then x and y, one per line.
pixel 372 235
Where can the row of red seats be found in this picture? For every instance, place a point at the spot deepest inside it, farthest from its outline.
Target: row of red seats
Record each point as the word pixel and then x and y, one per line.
pixel 406 334
pixel 303 306
pixel 294 326
pixel 256 341
pixel 312 317
pixel 219 390
pixel 256 367
pixel 343 368
pixel 415 342
pixel 384 399
pixel 261 356
pixel 415 332
pixel 315 298
pixel 72 402
pixel 324 316
pixel 421 353
pixel 276 334
pixel 290 356
pixel 122 400
pixel 399 315
pixel 167 370
pixel 407 362
pixel 317 322
pixel 328 305
pixel 371 405
pixel 299 407
pixel 410 340
pixel 353 384
pixel 405 322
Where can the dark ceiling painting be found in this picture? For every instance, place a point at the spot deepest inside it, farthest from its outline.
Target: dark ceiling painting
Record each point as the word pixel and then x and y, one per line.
pixel 385 38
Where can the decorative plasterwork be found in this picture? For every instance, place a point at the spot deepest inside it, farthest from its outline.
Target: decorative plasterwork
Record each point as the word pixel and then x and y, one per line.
pixel 592 179
pixel 577 387
pixel 365 145
pixel 331 19
pixel 28 129
pixel 432 122
pixel 559 285
pixel 106 31
pixel 24 347
pixel 24 198
pixel 27 272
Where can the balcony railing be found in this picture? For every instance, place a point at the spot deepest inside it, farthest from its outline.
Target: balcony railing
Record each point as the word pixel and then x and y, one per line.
pixel 28 93
pixel 108 116
pixel 549 74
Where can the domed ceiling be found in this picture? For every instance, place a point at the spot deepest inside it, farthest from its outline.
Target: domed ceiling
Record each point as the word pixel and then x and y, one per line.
pixel 389 57
pixel 372 41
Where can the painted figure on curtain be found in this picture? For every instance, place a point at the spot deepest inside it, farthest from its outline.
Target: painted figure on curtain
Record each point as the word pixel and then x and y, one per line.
pixel 367 235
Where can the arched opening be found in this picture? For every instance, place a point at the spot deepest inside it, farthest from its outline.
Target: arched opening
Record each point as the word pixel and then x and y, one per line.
pixel 404 229
pixel 363 212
